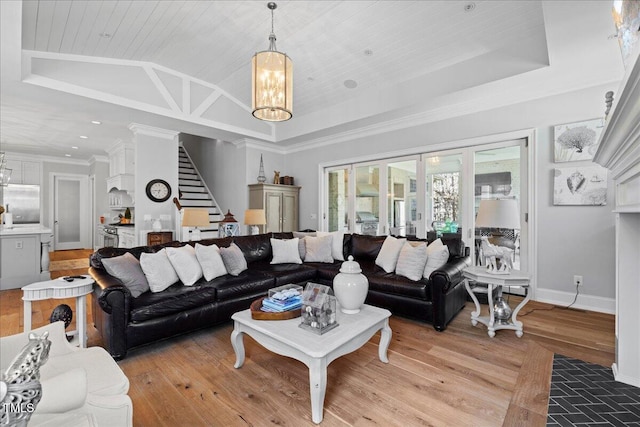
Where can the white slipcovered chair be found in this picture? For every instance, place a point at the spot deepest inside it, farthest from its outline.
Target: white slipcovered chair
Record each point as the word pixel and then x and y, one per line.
pixel 80 386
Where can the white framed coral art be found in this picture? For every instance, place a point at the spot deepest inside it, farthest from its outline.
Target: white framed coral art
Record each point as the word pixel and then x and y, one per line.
pixel 580 185
pixel 577 141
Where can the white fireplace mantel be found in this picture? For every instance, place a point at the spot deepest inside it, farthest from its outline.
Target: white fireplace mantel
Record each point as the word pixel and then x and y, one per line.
pixel 619 151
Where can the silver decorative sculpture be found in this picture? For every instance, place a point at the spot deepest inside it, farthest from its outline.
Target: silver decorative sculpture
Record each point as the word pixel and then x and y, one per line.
pixel 261 176
pixel 492 253
pixel 20 389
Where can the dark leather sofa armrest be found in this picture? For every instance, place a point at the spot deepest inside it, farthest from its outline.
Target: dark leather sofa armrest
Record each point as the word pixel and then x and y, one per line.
pixel 448 275
pixel 447 292
pixel 111 293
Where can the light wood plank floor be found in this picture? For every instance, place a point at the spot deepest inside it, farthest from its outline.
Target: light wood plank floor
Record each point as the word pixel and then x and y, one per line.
pixel 459 377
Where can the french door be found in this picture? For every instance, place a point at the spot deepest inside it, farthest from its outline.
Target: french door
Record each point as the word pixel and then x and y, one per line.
pixel 438 192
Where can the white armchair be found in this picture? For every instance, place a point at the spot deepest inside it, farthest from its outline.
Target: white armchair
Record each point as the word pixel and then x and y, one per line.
pixel 80 386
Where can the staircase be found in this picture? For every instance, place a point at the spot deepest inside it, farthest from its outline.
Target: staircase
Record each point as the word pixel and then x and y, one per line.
pixel 195 194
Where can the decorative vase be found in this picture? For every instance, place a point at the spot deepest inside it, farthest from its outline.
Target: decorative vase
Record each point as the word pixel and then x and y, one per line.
pixel 157 225
pixel 350 287
pixel 501 310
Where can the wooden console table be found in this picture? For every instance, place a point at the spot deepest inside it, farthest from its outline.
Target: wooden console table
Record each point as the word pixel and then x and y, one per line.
pixel 159 237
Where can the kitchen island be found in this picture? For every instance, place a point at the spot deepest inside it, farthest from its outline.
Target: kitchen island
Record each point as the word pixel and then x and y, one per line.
pixel 24 259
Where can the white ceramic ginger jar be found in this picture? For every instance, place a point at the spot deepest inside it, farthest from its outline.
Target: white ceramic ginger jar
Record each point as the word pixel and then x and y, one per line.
pixel 350 287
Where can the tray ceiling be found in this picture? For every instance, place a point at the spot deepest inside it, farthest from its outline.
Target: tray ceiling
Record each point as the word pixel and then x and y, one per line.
pixel 405 57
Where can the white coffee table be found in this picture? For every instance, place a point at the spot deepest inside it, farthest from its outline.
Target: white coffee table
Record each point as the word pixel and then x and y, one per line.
pixel 60 289
pixel 284 337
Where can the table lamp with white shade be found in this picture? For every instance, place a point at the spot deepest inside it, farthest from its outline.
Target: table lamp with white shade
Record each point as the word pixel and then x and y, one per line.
pixel 195 217
pixel 500 214
pixel 254 218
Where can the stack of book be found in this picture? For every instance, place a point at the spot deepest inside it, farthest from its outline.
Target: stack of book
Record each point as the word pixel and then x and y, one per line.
pixel 286 300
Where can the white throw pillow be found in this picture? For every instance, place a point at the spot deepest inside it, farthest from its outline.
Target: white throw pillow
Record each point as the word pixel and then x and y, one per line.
pixel 437 256
pixel 337 242
pixel 318 249
pixel 158 269
pixel 412 260
pixel 211 261
pixel 185 263
pixel 389 252
pixel 285 251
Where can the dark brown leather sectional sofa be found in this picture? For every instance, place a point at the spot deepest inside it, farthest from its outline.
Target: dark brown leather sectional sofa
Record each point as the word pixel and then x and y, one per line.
pixel 126 322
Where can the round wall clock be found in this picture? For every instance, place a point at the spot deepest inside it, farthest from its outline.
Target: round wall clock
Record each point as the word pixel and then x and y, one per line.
pixel 158 190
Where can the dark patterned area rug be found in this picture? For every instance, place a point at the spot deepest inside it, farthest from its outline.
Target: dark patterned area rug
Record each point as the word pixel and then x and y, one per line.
pixel 585 394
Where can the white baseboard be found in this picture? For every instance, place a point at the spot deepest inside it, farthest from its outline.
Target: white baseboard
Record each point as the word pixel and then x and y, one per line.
pixel 584 302
pixel 623 378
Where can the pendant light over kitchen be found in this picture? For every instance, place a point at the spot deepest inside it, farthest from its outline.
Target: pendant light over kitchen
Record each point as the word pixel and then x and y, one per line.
pixel 272 81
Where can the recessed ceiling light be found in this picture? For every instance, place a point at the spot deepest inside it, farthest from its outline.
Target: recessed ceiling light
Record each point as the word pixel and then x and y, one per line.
pixel 469 7
pixel 67 155
pixel 350 84
pixel 368 52
pixel 74 147
pixel 96 122
pixel 105 35
pixel 84 137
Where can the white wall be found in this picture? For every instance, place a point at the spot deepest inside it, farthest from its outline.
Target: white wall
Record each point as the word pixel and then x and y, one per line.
pixel 223 168
pixel 47 185
pixel 571 239
pixel 100 172
pixel 272 162
pixel 156 157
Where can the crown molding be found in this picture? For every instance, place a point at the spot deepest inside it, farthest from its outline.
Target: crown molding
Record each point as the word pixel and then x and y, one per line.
pixel 139 129
pixel 258 145
pixel 98 159
pixel 465 105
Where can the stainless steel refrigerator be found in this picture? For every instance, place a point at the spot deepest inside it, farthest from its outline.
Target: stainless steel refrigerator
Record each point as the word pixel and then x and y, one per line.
pixel 23 201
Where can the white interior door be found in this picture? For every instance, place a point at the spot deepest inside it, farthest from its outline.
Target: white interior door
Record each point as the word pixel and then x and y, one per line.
pixel 70 212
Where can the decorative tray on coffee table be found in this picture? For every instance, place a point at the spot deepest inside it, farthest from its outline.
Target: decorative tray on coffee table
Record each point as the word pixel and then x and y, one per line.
pixel 258 314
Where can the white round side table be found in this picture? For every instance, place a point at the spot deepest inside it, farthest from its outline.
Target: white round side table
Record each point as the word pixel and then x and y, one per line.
pixel 59 289
pixel 515 279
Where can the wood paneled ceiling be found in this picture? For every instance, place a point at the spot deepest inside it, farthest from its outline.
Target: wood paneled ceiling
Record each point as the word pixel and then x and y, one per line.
pixel 403 56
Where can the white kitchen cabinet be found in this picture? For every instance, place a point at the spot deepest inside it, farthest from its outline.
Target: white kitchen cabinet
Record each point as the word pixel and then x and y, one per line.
pixel 24 172
pixel 121 159
pixel 121 168
pixel 280 204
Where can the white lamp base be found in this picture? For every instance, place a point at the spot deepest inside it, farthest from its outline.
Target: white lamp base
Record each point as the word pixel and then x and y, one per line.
pixel 255 230
pixel 195 235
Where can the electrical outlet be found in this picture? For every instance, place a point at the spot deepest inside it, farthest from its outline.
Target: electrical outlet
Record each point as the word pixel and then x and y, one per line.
pixel 577 280
pixel 19 244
